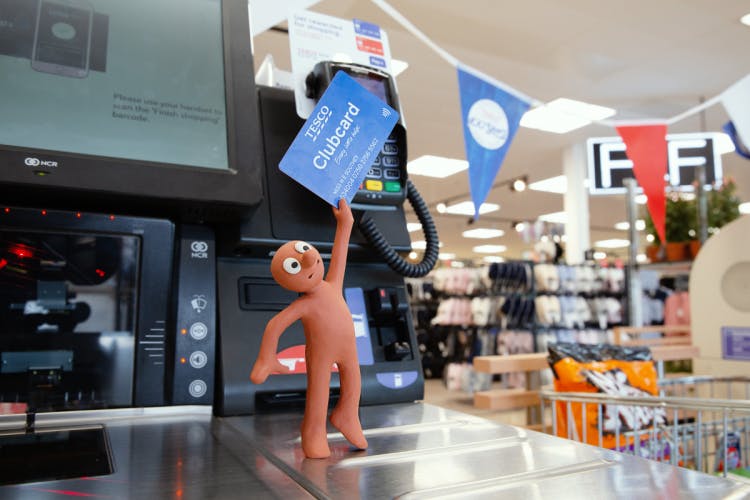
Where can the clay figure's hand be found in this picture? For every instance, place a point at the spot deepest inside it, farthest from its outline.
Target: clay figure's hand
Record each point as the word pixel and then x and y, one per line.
pixel 343 213
pixel 265 367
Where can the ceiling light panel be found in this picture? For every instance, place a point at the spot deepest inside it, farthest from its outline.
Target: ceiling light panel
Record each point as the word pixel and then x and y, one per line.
pixel 613 243
pixel 640 225
pixel 564 115
pixel 413 226
pixel 491 259
pixel 436 166
pixel 422 244
pixel 579 108
pixel 483 233
pixel 490 248
pixel 467 208
pixel 549 120
pixel 555 217
pixel 557 184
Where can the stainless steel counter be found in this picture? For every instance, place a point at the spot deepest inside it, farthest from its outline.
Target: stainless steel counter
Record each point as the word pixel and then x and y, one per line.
pixel 416 451
pixel 165 453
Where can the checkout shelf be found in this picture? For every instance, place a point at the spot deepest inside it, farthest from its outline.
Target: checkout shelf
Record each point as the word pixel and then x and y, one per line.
pixel 415 451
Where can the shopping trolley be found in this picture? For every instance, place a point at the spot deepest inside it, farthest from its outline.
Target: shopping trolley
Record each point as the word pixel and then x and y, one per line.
pixel 697 422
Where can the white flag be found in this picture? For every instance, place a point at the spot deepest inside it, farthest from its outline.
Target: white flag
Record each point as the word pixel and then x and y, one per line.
pixel 736 100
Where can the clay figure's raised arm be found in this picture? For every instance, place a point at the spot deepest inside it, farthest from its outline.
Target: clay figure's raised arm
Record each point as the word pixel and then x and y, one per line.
pixel 344 223
pixel 267 362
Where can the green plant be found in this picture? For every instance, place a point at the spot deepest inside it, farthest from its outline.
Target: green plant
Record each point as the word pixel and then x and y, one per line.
pixel 650 228
pixel 723 204
pixel 681 218
pixel 682 215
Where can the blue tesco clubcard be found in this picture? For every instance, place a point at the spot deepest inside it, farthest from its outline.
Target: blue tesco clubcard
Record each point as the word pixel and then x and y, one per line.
pixel 339 141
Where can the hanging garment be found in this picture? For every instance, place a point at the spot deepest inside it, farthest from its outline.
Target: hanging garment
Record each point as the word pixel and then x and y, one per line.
pixel 677 310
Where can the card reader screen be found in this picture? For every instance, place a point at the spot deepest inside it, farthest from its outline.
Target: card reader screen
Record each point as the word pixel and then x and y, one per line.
pixel 374 84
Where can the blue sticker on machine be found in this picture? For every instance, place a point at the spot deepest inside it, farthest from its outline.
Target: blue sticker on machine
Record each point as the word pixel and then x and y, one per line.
pixel 355 299
pixel 334 150
pixel 366 29
pixel 735 343
pixel 377 61
pixel 396 380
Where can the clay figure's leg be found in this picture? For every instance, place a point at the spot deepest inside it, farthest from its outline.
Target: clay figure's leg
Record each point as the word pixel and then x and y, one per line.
pixel 345 416
pixel 314 439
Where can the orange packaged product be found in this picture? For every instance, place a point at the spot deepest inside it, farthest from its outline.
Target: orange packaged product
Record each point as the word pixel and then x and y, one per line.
pixel 608 369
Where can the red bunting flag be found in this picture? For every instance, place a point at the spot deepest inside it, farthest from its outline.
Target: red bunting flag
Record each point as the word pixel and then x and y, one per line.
pixel 647 149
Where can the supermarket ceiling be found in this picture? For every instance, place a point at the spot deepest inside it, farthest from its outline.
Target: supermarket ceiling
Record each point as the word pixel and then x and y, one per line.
pixel 644 58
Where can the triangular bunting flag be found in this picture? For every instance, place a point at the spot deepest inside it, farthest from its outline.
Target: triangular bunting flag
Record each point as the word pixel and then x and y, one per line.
pixel 647 149
pixel 739 146
pixel 736 100
pixel 490 116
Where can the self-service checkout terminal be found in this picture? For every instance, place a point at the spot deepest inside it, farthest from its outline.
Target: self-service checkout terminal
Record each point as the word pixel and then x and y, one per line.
pixel 374 286
pixel 139 205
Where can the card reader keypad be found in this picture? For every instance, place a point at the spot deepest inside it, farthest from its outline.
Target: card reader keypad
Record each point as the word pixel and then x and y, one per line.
pixel 385 177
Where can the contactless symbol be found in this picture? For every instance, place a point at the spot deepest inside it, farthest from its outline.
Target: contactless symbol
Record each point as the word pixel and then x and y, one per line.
pixel 198 330
pixel 63 31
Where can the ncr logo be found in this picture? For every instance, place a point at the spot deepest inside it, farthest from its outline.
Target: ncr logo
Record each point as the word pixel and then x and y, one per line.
pixel 199 250
pixel 36 162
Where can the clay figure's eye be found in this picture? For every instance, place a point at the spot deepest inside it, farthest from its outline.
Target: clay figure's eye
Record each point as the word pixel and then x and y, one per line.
pixel 302 247
pixel 291 265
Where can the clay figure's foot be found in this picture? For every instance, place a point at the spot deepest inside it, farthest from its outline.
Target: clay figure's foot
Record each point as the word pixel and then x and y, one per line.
pixel 315 445
pixel 348 424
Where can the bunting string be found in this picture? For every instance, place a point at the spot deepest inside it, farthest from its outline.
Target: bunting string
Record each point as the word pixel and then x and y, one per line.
pixel 450 59
pixel 400 19
pixel 492 111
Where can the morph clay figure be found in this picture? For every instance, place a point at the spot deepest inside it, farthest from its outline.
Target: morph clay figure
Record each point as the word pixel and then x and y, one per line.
pixel 329 336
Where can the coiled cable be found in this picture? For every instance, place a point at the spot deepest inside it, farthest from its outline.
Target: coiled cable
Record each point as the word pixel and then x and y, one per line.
pixel 411 270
